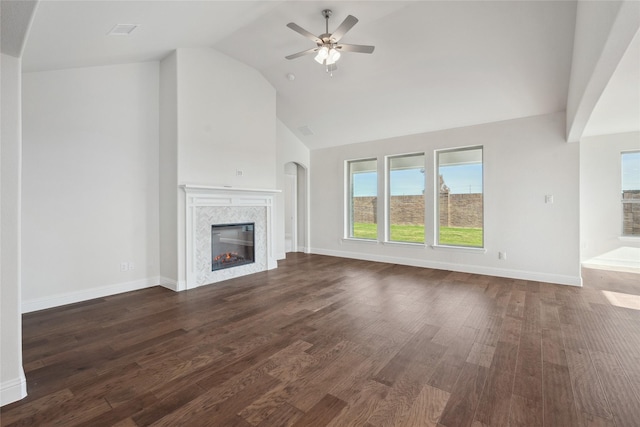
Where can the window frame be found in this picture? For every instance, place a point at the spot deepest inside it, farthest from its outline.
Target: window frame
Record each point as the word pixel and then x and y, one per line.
pixel 436 187
pixel 348 223
pixel 624 202
pixel 387 198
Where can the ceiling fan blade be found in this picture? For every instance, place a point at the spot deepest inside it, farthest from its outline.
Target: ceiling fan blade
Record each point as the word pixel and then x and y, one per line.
pixel 304 52
pixel 355 48
pixel 298 29
pixel 346 25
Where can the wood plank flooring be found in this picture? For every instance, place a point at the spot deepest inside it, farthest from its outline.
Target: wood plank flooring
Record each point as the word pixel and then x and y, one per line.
pixel 324 341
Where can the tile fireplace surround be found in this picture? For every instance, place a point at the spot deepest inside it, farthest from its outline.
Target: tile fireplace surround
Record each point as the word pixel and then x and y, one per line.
pixel 206 206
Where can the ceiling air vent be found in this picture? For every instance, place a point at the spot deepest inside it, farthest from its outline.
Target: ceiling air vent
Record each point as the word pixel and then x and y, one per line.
pixel 122 29
pixel 305 130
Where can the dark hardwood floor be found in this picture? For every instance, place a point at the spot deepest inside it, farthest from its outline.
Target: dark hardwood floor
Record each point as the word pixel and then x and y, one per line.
pixel 329 341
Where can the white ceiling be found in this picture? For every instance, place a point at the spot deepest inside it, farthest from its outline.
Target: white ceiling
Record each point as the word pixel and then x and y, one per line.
pixel 14 23
pixel 618 109
pixel 437 64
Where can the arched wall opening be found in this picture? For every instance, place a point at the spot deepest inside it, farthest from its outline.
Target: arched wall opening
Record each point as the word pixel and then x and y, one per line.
pixel 295 208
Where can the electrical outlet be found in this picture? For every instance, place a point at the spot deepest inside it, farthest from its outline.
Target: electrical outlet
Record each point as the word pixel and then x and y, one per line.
pixel 238 172
pixel 131 266
pixel 124 266
pixel 502 255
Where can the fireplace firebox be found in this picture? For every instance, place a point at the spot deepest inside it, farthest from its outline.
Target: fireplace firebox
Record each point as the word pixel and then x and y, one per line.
pixel 232 245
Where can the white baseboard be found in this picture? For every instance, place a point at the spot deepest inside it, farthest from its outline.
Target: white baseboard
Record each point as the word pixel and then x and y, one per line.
pixel 300 249
pixel 168 283
pixel 87 294
pixel 181 285
pixel 462 268
pixel 13 390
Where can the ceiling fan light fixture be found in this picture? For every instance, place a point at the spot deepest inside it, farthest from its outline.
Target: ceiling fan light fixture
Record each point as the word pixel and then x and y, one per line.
pixel 323 53
pixel 333 56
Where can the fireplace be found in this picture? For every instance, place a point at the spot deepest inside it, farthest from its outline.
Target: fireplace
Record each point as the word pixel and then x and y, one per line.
pixel 232 245
pixel 207 205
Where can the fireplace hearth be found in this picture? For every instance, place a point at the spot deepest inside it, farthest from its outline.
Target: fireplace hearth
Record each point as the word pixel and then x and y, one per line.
pixel 232 245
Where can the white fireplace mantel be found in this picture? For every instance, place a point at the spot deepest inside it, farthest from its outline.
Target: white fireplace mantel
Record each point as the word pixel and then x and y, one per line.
pixel 226 189
pixel 211 204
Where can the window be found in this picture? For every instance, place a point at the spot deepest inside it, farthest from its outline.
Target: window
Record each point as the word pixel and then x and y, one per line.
pixel 363 199
pixel 460 198
pixel 631 194
pixel 406 198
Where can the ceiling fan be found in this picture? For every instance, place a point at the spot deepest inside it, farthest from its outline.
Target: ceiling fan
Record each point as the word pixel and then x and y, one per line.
pixel 328 48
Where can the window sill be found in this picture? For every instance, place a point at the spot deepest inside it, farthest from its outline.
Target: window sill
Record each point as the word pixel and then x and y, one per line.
pixel 356 240
pixel 459 249
pixel 629 238
pixel 405 244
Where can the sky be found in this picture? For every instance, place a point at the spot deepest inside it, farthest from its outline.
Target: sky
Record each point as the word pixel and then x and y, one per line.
pixel 459 179
pixel 631 171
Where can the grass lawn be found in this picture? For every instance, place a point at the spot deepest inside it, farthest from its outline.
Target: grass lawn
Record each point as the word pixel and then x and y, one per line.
pixel 456 236
pixel 459 236
pixel 365 230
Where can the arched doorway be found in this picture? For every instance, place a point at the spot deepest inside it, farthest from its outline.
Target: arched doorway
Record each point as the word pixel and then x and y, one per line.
pixel 295 207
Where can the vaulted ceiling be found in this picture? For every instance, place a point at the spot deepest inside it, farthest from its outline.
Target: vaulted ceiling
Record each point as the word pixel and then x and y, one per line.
pixel 437 64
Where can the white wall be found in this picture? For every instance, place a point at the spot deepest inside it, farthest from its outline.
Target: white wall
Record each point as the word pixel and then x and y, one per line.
pixel 226 122
pixel 90 182
pixel 168 179
pixel 12 380
pixel 524 160
pixel 289 149
pixel 600 206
